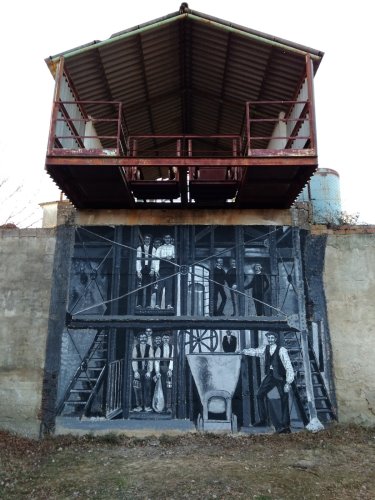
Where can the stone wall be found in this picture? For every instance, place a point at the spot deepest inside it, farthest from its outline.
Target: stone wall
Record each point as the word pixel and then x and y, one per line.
pixel 349 278
pixel 26 264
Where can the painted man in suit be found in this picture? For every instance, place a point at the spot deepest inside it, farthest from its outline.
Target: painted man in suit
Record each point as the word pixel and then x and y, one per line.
pixel 259 285
pixel 219 278
pixel 165 268
pixel 145 272
pixel 229 342
pixel 142 365
pixel 164 369
pixel 279 373
pixel 231 279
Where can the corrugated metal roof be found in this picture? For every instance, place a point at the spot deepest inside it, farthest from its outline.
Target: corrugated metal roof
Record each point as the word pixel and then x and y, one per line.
pixel 187 73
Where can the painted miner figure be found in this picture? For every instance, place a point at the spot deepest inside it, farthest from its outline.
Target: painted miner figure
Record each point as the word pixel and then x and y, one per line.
pixel 145 272
pixel 165 269
pixel 229 342
pixel 231 279
pixel 278 373
pixel 164 369
pixel 219 278
pixel 142 365
pixel 259 286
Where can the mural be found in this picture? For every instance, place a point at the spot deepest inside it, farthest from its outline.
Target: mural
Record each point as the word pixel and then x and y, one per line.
pixel 206 323
pixel 279 373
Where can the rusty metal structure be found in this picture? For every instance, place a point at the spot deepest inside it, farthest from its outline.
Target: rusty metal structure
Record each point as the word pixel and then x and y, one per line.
pixel 184 111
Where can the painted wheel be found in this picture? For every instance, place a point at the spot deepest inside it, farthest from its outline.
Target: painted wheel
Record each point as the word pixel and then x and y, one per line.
pixel 203 341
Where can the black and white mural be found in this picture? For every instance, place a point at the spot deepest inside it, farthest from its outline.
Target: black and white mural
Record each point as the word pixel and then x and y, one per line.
pixel 206 323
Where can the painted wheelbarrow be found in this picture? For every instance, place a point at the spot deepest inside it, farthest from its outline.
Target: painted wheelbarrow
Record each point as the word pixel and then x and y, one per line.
pixel 216 376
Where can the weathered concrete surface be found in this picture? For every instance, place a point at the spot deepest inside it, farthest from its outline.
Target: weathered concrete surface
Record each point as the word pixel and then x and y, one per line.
pixel 349 278
pixel 26 265
pixel 31 319
pixel 58 213
pixel 184 217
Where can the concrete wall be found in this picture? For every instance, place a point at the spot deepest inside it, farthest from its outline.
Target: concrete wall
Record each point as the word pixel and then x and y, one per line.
pixel 26 264
pixel 349 278
pixel 31 265
pixel 187 217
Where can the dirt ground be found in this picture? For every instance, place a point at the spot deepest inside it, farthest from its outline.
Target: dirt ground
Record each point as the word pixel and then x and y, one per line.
pixel 338 463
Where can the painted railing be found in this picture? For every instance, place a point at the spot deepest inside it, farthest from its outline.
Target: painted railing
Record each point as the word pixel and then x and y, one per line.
pixel 114 388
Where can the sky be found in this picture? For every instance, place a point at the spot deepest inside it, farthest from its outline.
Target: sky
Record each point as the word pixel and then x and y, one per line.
pixel 31 31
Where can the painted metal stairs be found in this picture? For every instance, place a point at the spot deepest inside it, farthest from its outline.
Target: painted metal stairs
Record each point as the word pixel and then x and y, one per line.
pixel 88 378
pixel 324 407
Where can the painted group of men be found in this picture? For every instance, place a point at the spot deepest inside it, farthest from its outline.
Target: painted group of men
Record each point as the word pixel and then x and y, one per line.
pixel 259 285
pixel 155 267
pixel 152 359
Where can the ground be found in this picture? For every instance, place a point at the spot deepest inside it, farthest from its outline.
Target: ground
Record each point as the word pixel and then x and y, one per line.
pixel 337 463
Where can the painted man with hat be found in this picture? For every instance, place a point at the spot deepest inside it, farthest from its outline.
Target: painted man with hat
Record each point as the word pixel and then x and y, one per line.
pixel 279 373
pixel 259 286
pixel 229 343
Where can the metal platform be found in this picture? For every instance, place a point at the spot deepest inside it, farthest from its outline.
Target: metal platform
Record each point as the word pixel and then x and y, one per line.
pixel 103 182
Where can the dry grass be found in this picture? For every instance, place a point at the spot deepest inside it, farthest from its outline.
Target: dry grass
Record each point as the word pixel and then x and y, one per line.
pixel 338 463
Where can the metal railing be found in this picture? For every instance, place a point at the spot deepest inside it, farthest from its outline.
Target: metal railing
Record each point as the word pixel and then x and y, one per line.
pixel 77 131
pixel 278 126
pixel 185 145
pixel 99 128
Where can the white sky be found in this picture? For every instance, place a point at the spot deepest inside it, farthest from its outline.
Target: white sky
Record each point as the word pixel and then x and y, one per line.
pixel 32 30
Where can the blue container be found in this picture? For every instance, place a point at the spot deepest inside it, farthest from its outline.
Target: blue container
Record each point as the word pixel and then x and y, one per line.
pixel 324 195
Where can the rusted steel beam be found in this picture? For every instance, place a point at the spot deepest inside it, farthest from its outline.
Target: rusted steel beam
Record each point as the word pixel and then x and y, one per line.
pixel 278 160
pixel 185 109
pixel 183 186
pixel 224 81
pixel 297 125
pixel 185 136
pixel 241 188
pixel 277 102
pixel 301 178
pixel 289 137
pixel 287 153
pixel 310 91
pixel 145 84
pixel 56 97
